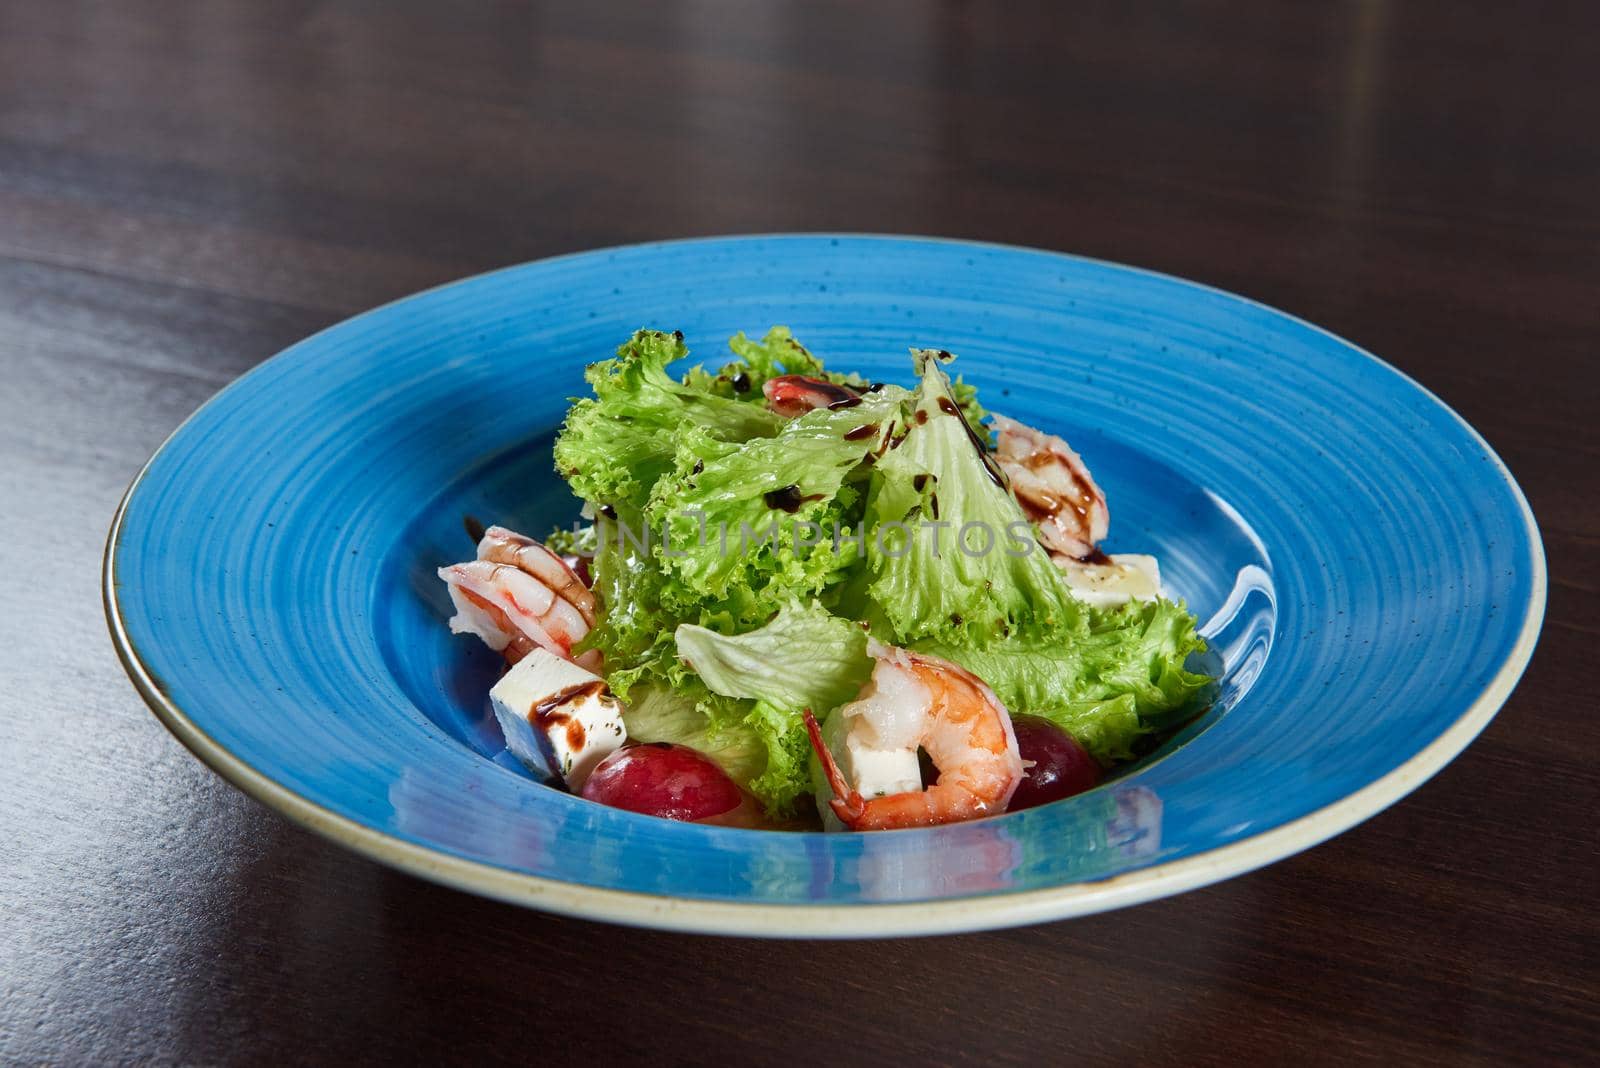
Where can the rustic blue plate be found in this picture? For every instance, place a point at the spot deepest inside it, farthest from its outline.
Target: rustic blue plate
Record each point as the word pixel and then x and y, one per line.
pixel 1370 576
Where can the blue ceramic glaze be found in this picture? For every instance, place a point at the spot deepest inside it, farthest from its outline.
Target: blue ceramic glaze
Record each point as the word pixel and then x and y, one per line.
pixel 1369 574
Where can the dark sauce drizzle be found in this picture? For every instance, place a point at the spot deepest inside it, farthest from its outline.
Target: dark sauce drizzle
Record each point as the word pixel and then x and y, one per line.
pixel 788 499
pixel 996 476
pixel 547 713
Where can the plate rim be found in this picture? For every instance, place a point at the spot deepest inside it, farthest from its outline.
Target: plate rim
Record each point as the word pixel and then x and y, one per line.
pixel 855 920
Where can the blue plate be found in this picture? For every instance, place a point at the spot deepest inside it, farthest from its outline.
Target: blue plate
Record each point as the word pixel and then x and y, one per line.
pixel 1371 578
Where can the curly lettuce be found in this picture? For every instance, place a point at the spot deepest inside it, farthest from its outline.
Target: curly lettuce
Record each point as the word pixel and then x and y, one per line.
pixel 615 445
pixel 752 524
pixel 777 353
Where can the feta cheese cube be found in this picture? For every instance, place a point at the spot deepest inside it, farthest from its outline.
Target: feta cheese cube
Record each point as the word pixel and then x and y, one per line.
pixel 557 717
pixel 880 772
pixel 1129 577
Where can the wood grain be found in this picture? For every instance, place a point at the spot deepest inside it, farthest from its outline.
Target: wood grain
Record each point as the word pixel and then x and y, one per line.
pixel 186 188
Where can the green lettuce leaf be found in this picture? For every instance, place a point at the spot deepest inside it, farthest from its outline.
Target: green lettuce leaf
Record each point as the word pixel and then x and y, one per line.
pixel 777 353
pixel 929 581
pixel 751 524
pixel 805 658
pixel 615 445
pixel 633 631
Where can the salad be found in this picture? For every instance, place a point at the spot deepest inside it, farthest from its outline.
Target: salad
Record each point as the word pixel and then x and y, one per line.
pixel 801 595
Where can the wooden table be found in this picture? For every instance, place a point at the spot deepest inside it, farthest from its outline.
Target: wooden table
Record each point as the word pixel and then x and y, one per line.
pixel 187 188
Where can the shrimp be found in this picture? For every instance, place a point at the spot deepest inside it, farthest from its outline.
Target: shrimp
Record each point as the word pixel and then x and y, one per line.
pixel 1054 488
pixel 508 547
pixel 915 700
pixel 1057 492
pixel 519 596
pixel 792 395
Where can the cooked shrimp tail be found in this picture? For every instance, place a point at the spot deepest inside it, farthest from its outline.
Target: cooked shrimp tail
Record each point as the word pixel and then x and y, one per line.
pixel 847 803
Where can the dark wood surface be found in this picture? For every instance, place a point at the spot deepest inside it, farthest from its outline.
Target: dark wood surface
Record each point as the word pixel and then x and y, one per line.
pixel 186 188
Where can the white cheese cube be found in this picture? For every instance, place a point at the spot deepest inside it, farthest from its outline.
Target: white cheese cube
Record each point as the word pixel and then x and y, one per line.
pixel 879 772
pixel 873 772
pixel 1129 577
pixel 557 717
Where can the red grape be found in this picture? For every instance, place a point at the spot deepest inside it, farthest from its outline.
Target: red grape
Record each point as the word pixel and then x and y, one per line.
pixel 660 779
pixel 1061 767
pixel 579 565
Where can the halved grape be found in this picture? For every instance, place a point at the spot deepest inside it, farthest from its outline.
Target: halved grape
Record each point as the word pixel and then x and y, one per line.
pixel 661 779
pixel 1061 767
